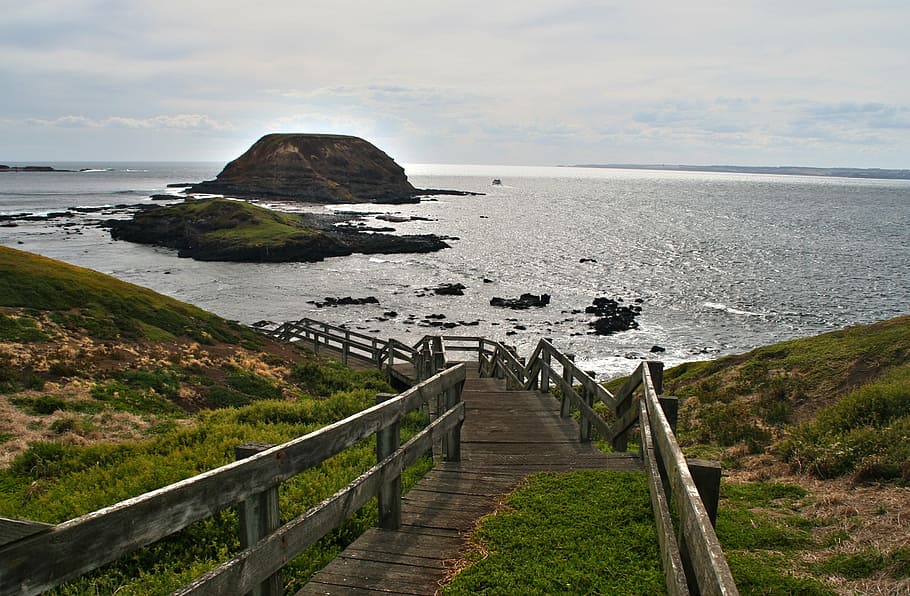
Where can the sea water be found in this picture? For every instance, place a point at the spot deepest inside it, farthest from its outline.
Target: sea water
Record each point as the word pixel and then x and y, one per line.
pixel 718 263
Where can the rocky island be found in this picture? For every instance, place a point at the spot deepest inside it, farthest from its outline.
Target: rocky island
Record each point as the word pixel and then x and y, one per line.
pixel 315 168
pixel 228 230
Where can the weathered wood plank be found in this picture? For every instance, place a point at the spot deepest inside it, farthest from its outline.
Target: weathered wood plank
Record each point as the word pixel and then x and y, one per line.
pixel 12 530
pixel 707 557
pixel 674 573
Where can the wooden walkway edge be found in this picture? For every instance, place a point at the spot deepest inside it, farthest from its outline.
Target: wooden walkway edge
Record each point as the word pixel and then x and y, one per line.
pixel 506 436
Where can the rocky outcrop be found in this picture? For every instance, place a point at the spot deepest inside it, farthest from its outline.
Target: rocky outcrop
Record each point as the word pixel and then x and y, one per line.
pixel 30 169
pixel 226 230
pixel 613 317
pixel 313 168
pixel 522 302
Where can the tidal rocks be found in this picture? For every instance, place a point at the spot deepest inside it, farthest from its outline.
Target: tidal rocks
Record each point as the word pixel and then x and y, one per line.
pixel 313 168
pixel 30 169
pixel 346 301
pixel 522 302
pixel 612 316
pixel 449 290
pixel 226 230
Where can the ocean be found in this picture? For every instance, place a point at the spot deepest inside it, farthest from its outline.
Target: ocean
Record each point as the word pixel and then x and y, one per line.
pixel 719 263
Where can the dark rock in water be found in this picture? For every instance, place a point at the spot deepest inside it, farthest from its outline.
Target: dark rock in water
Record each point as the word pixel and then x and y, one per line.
pixel 30 169
pixel 179 185
pixel 657 349
pixel 521 303
pixel 263 323
pixel 390 314
pixel 612 317
pixel 450 290
pixel 587 260
pixel 346 301
pixel 164 197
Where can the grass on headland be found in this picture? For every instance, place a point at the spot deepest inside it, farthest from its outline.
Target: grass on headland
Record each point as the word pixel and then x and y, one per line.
pixel 832 405
pixel 581 532
pixel 109 390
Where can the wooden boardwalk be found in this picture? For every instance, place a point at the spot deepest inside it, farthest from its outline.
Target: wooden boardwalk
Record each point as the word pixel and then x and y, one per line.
pixel 506 435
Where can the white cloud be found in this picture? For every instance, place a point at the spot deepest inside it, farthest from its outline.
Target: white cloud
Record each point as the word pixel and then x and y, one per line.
pixel 177 121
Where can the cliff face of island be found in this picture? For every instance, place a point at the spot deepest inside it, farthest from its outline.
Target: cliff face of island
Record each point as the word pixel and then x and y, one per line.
pixel 313 168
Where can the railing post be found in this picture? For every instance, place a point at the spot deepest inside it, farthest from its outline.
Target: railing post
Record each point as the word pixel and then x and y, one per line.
pixel 706 475
pixel 584 424
pixel 388 440
pixel 546 356
pixel 565 405
pixel 259 517
pixel 439 357
pixel 453 437
pixel 670 406
pixel 346 347
pixel 656 368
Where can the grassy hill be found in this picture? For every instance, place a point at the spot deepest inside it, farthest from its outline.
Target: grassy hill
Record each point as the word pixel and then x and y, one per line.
pixel 833 405
pixel 109 390
pixel 814 438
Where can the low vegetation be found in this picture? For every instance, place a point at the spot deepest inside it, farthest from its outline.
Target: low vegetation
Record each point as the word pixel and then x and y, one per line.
pixel 583 532
pixel 108 391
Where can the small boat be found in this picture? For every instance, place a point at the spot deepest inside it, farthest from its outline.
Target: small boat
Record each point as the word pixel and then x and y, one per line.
pixel 497 182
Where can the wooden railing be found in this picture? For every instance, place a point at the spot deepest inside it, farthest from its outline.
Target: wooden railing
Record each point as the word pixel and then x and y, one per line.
pixel 380 353
pixel 693 560
pixel 39 557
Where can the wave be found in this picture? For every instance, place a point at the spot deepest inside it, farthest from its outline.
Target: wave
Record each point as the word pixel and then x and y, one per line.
pixel 730 309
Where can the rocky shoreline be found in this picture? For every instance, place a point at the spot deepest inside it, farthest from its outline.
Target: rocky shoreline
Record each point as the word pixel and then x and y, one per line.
pixel 225 230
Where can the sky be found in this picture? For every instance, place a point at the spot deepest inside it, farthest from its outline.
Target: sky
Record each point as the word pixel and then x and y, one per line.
pixel 538 82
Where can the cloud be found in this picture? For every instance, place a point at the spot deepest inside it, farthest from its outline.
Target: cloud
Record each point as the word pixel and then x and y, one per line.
pixel 177 121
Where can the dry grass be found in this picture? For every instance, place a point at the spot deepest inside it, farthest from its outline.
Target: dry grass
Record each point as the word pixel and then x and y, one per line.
pixel 94 361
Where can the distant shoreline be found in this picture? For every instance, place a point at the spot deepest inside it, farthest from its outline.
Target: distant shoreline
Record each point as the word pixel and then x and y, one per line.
pixel 869 173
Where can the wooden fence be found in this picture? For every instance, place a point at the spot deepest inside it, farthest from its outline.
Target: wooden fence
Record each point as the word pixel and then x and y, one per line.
pixel 37 557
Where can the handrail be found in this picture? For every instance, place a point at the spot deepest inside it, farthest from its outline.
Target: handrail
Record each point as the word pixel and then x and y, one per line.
pixel 129 525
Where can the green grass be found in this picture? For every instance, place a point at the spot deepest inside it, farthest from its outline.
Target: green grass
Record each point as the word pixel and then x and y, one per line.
pixel 575 533
pixel 102 306
pixel 866 434
pixel 21 329
pixel 762 538
pixel 54 482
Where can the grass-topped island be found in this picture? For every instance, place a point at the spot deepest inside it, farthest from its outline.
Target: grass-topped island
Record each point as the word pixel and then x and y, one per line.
pixel 229 230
